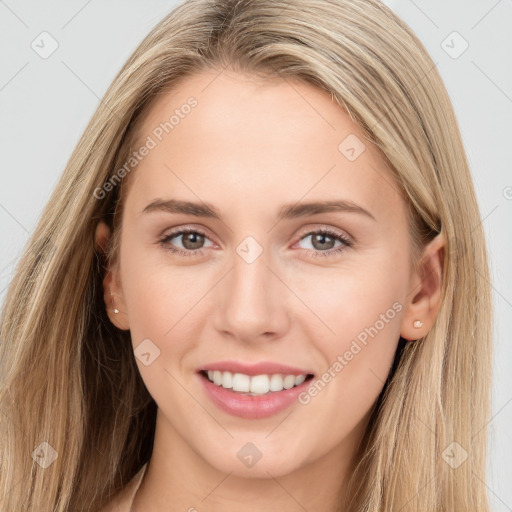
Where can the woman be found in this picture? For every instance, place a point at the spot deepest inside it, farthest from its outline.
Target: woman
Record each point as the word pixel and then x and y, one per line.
pixel 256 281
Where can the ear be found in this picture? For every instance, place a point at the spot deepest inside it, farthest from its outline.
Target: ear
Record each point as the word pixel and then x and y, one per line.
pixel 112 290
pixel 424 298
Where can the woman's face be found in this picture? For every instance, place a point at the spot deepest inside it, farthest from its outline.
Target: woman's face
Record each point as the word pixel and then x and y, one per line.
pixel 258 281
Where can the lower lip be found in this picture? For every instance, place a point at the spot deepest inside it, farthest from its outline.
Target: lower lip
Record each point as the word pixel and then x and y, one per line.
pixel 252 407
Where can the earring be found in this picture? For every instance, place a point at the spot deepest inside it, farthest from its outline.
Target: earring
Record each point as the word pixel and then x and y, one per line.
pixel 116 311
pixel 418 323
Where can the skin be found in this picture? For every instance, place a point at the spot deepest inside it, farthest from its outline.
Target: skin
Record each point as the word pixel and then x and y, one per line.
pixel 249 147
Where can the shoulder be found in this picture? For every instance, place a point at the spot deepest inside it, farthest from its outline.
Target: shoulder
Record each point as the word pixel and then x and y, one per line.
pixel 122 501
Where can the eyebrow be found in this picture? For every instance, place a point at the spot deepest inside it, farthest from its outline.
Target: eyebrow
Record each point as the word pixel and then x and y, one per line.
pixel 288 211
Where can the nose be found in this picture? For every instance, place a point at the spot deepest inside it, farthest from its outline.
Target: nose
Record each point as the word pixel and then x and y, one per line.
pixel 253 301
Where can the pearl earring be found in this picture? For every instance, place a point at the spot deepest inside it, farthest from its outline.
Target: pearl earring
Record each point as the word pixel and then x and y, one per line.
pixel 116 311
pixel 418 323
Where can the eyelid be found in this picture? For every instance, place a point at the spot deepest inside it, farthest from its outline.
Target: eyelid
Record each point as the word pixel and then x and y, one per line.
pixel 185 229
pixel 326 228
pixel 307 231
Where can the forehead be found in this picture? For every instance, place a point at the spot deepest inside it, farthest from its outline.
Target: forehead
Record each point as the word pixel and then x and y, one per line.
pixel 230 135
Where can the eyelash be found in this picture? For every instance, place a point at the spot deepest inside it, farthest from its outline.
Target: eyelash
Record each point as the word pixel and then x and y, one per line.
pixel 331 252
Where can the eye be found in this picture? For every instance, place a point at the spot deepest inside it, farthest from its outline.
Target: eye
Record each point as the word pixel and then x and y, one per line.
pixel 192 242
pixel 323 242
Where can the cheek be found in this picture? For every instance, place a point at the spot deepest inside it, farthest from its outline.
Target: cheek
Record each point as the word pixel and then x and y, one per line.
pixel 346 302
pixel 159 296
pixel 360 309
pixel 165 315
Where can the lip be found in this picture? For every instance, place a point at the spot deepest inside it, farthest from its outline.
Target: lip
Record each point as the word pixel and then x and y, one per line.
pixel 252 369
pixel 252 407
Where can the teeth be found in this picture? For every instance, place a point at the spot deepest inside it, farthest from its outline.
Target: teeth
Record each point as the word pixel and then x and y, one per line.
pixel 299 379
pixel 241 382
pixel 256 385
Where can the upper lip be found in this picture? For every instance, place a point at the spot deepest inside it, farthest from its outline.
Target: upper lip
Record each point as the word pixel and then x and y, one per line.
pixel 252 369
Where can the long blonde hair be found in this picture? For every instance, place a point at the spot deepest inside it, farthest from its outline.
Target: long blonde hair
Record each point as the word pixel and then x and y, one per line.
pixel 68 377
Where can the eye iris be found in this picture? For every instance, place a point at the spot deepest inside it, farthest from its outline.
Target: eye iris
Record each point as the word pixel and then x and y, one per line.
pixel 196 242
pixel 321 237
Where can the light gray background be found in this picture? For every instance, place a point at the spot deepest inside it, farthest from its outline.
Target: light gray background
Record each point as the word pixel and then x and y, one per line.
pixel 45 105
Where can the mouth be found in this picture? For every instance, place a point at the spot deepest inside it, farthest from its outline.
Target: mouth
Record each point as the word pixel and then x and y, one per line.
pixel 254 385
